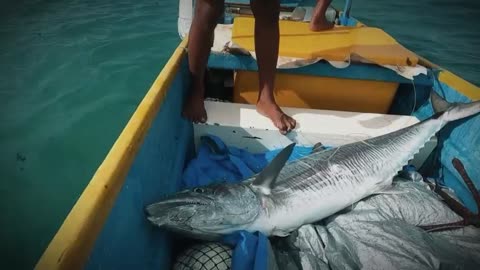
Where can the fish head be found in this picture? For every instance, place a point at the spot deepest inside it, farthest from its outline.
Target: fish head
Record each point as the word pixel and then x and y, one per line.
pixel 206 212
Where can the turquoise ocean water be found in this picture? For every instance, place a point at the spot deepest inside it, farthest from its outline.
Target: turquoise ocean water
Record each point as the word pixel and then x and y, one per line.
pixel 72 72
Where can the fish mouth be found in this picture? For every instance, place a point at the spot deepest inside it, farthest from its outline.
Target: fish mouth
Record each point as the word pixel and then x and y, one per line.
pixel 159 209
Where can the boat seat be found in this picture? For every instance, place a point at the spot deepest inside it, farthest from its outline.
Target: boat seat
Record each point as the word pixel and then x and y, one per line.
pixel 342 43
pixel 367 84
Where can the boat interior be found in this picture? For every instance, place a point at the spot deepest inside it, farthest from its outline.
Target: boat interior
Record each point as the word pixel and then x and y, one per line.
pixel 360 75
pixel 353 72
pixel 346 84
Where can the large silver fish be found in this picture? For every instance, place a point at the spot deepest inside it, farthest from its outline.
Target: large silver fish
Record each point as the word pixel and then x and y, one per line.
pixel 282 197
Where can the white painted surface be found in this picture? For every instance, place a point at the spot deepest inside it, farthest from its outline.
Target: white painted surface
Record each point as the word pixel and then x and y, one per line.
pixel 185 17
pixel 241 126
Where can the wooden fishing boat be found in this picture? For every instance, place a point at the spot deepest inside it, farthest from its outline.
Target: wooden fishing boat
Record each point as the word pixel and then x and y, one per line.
pixel 341 85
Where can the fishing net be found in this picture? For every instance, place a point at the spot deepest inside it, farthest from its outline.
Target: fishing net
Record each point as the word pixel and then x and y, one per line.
pixel 205 256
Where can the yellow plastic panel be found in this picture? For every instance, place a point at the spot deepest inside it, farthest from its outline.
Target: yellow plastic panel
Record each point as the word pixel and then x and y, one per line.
pixel 338 44
pixel 302 91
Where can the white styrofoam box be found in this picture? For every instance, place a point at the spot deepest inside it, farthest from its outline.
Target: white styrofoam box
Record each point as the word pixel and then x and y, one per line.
pixel 240 125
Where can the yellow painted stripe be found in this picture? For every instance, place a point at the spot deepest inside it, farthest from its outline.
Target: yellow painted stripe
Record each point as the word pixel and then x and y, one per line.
pixel 467 89
pixel 459 84
pixel 74 241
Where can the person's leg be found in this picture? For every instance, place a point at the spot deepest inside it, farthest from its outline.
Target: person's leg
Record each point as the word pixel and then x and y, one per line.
pixel 319 21
pixel 200 41
pixel 267 37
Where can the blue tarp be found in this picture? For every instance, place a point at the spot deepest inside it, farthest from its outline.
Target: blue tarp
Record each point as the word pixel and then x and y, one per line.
pixel 217 162
pixel 459 139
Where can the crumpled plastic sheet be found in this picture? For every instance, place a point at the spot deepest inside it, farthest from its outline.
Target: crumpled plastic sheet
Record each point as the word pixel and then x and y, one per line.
pixel 380 233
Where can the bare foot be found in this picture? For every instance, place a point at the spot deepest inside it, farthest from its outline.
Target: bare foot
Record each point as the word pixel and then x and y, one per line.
pixel 282 121
pixel 319 21
pixel 194 109
pixel 320 24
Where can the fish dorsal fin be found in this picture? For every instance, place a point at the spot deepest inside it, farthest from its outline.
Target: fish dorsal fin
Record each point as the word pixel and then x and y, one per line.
pixel 439 104
pixel 266 179
pixel 318 147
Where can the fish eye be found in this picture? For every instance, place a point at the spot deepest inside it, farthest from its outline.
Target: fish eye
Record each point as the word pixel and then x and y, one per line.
pixel 198 190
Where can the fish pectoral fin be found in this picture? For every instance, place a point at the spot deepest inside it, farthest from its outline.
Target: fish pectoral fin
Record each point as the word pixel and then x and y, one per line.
pixel 266 178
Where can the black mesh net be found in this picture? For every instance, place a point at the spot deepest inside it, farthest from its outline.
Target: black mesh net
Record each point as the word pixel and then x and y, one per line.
pixel 205 256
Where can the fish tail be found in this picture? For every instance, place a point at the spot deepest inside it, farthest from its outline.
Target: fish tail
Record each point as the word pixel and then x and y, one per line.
pixel 453 111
